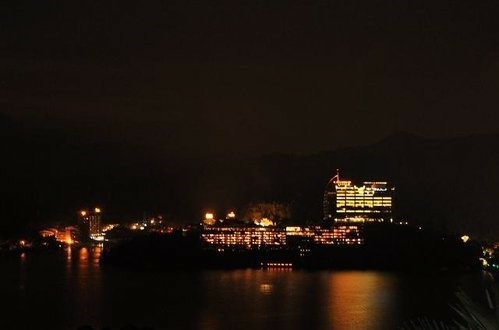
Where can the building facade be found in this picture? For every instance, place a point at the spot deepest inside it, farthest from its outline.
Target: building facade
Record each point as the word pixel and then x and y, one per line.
pixel 257 237
pixel 89 224
pixel 344 201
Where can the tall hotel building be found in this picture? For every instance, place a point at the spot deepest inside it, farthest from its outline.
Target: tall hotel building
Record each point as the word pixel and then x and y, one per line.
pixel 346 202
pixel 89 223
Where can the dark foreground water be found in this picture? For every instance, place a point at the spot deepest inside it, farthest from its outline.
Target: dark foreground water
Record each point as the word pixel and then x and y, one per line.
pixel 65 290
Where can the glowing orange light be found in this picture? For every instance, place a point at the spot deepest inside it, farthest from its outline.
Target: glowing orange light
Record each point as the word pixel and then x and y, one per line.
pixel 97 210
pixel 231 215
pixel 209 216
pixel 265 222
pixel 83 213
pixel 83 254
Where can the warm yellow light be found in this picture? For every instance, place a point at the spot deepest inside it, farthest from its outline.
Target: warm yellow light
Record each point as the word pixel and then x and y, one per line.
pixel 465 238
pixel 83 213
pixel 97 210
pixel 209 216
pixel 264 222
pixel 231 215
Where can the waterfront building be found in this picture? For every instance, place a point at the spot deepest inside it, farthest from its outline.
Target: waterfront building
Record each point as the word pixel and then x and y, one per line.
pixel 244 237
pixel 67 235
pixel 89 224
pixel 336 235
pixel 346 202
pixel 248 237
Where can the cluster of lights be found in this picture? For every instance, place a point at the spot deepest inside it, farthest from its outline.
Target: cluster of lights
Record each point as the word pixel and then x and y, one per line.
pixel 370 201
pixel 256 236
pixel 67 235
pixel 90 221
pixel 342 235
pixel 265 222
pixel 98 237
pixel 247 237
pixel 210 219
pixel 109 227
pixel 154 224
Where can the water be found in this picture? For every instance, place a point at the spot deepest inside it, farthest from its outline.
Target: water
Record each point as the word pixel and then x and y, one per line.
pixel 69 289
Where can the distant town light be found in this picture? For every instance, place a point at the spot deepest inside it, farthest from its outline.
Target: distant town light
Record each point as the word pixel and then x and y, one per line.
pixel 231 215
pixel 97 210
pixel 465 238
pixel 83 213
pixel 209 216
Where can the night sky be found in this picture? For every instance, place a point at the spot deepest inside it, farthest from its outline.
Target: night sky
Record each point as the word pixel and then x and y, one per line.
pixel 188 78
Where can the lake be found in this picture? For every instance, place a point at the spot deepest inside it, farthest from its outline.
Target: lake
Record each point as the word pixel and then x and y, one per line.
pixel 69 289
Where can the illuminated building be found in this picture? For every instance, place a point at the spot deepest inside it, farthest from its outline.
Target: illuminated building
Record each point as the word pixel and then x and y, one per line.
pixel 48 233
pixel 246 237
pixel 336 235
pixel 346 202
pixel 67 235
pixel 255 237
pixel 89 224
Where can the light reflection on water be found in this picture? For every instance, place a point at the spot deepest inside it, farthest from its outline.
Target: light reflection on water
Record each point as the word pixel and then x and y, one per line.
pixel 297 300
pixel 357 299
pixel 85 285
pixel 70 289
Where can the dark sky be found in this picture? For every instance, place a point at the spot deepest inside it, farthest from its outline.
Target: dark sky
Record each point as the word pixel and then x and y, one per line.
pixel 196 77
